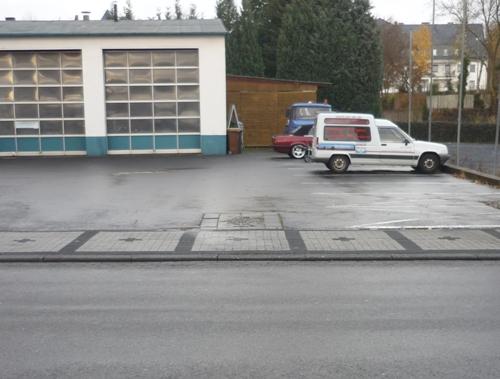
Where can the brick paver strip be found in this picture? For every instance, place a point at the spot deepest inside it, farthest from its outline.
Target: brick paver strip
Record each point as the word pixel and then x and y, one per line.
pixel 242 240
pixel 78 242
pixel 403 241
pixel 349 241
pixel 35 242
pixel 295 240
pixel 453 239
pixel 133 242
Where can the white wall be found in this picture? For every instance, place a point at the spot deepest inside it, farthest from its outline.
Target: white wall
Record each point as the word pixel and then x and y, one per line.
pixel 212 72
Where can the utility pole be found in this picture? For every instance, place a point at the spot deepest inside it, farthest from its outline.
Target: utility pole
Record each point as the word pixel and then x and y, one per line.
pixel 410 84
pixel 431 105
pixel 461 92
pixel 495 159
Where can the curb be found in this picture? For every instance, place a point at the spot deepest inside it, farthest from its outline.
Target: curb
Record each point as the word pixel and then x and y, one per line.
pixel 256 257
pixel 470 174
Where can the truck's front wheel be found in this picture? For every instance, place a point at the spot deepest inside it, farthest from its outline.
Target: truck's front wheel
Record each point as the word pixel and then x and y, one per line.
pixel 338 164
pixel 429 163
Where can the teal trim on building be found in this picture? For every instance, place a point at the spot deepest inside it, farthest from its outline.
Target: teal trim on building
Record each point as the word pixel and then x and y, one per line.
pixel 119 143
pixel 166 142
pixel 96 146
pixel 28 144
pixel 214 145
pixel 189 142
pixel 75 144
pixel 52 144
pixel 7 145
pixel 142 142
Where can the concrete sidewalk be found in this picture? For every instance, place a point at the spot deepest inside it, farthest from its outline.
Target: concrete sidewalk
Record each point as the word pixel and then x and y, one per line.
pixel 277 244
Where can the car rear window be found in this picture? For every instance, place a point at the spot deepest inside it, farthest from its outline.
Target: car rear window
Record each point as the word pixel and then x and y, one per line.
pixel 347 133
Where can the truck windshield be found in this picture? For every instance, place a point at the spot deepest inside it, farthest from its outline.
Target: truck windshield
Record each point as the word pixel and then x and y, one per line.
pixel 308 113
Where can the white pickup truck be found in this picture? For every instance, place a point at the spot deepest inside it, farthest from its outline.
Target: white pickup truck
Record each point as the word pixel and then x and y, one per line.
pixel 342 139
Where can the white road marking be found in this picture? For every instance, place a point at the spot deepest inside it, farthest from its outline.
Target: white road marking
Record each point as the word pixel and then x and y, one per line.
pixel 398 194
pixel 428 227
pixel 384 223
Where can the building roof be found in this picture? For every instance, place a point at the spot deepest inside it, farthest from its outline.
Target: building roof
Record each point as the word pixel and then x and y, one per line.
pixel 447 36
pixel 34 29
pixel 274 80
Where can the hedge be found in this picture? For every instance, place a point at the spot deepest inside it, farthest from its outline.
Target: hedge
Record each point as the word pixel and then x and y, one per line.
pixel 447 132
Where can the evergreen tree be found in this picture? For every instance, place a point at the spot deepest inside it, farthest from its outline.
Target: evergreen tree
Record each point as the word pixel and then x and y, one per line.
pixel 250 60
pixel 227 12
pixel 269 16
pixel 333 41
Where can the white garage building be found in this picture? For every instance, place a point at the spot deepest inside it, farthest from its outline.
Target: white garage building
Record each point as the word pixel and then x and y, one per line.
pixel 103 87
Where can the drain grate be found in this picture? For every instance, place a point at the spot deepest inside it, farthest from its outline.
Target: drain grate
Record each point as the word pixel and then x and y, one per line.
pixel 242 221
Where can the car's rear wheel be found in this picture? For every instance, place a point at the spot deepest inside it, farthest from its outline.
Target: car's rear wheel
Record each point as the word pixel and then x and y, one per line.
pixel 429 163
pixel 298 151
pixel 338 164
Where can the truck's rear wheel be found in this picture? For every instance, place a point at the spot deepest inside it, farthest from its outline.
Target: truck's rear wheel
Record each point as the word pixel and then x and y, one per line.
pixel 429 163
pixel 338 164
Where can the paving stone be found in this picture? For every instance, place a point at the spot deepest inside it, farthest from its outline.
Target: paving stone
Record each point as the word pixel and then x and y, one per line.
pixel 33 242
pixel 453 239
pixel 243 240
pixel 132 241
pixel 349 241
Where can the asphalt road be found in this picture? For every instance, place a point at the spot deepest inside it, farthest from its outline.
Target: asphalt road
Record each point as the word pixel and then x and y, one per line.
pixel 147 193
pixel 363 320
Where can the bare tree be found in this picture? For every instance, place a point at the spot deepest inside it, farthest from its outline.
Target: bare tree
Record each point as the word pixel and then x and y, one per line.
pixel 178 10
pixel 395 47
pixel 193 12
pixel 486 12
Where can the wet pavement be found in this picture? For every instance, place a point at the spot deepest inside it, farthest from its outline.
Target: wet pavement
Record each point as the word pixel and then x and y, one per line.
pixel 256 190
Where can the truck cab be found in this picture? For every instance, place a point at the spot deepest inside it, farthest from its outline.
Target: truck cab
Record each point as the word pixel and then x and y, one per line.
pixel 342 139
pixel 303 114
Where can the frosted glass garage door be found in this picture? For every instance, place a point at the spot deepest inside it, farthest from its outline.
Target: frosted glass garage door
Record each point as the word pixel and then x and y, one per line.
pixel 41 102
pixel 152 101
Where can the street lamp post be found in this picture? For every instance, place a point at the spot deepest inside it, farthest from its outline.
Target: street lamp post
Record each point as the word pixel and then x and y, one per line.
pixel 432 69
pixel 410 84
pixel 495 159
pixel 461 91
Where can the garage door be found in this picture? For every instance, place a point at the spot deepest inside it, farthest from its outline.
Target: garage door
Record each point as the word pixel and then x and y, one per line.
pixel 152 101
pixel 41 103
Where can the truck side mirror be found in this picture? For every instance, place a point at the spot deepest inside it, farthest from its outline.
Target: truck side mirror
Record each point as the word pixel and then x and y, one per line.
pixel 407 142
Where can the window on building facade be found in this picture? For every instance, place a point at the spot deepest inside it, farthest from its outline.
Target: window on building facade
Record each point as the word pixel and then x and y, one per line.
pixel 445 52
pixel 472 68
pixel 435 68
pixel 434 52
pixel 472 85
pixel 41 94
pixel 447 69
pixel 153 92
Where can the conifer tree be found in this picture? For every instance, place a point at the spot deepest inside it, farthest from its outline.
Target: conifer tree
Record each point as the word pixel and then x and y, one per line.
pixel 227 12
pixel 250 60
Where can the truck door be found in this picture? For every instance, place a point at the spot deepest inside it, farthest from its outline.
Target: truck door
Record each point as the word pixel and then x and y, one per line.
pixel 395 149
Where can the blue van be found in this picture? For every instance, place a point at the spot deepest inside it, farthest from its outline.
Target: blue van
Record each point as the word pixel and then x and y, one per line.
pixel 303 114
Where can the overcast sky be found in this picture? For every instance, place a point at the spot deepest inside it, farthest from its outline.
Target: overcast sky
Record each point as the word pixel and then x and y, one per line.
pixel 406 11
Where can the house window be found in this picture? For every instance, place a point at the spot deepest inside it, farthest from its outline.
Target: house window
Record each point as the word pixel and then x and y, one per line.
pixel 445 52
pixel 434 52
pixel 447 69
pixel 435 68
pixel 472 85
pixel 472 68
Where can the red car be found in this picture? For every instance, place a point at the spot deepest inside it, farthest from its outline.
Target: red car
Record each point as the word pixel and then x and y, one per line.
pixel 296 144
